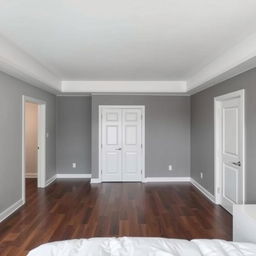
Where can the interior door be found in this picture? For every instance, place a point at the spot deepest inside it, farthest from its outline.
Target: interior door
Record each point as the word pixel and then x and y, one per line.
pixel 121 157
pixel 232 153
pixel 111 144
pixel 132 144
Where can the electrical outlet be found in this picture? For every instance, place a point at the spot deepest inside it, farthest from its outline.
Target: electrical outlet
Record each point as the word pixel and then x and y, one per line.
pixel 74 165
pixel 170 167
pixel 201 175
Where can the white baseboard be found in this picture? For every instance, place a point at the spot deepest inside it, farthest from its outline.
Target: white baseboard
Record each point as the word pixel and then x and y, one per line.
pixel 95 181
pixel 31 175
pixel 166 179
pixel 209 195
pixel 50 181
pixel 73 176
pixel 11 210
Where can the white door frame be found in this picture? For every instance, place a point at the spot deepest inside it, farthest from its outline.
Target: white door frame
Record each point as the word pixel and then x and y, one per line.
pixel 218 140
pixel 142 107
pixel 41 155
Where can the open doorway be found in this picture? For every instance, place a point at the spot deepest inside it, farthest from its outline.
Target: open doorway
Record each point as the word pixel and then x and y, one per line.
pixel 33 142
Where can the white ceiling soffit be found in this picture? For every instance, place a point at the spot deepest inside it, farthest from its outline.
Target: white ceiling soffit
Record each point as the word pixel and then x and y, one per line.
pixel 124 86
pixel 19 64
pixel 236 60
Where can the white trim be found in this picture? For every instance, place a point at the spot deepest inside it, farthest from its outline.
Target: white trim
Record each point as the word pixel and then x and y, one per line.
pixel 95 181
pixel 231 63
pixel 15 62
pixel 141 94
pixel 142 107
pixel 124 86
pixel 218 140
pixel 41 142
pixel 31 175
pixel 166 179
pixel 73 176
pixel 10 210
pixel 204 191
pixel 50 180
pixel 240 58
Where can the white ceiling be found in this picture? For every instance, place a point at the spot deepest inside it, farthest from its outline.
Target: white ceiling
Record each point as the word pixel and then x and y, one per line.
pixel 127 40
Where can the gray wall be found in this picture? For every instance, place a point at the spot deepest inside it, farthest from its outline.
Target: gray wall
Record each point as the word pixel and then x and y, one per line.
pixel 73 135
pixel 11 136
pixel 202 131
pixel 167 132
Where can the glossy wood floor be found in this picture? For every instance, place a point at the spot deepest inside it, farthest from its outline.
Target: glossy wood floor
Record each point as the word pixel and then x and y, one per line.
pixel 71 209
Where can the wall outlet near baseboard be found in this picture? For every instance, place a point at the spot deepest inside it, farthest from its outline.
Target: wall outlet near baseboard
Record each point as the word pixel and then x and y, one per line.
pixel 201 175
pixel 74 165
pixel 170 168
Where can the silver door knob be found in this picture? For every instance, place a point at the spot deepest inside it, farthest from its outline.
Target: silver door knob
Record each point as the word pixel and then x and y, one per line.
pixel 237 163
pixel 118 148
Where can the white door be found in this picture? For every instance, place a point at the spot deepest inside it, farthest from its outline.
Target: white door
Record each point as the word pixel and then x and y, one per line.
pixel 232 153
pixel 131 145
pixel 111 145
pixel 121 148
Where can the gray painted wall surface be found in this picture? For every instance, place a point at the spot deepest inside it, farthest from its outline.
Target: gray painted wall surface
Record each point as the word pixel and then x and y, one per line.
pixel 11 136
pixel 73 135
pixel 167 132
pixel 202 131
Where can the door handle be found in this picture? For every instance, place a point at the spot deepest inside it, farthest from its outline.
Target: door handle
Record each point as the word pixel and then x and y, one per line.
pixel 118 148
pixel 237 163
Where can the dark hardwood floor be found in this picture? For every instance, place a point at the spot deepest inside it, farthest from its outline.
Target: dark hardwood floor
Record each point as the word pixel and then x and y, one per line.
pixel 71 209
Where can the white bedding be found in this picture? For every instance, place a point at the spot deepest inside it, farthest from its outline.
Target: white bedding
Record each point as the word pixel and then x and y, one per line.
pixel 144 247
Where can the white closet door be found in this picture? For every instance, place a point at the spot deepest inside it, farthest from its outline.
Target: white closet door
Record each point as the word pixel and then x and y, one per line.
pixel 132 144
pixel 111 144
pixel 232 152
pixel 121 149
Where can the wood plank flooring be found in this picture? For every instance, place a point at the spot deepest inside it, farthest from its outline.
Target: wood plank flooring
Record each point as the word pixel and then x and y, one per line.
pixel 71 209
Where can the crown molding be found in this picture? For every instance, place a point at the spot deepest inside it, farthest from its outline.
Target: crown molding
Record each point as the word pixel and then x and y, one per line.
pixel 235 61
pixel 124 86
pixel 19 64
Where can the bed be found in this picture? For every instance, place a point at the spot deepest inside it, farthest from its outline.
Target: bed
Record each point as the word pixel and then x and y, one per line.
pixel 143 247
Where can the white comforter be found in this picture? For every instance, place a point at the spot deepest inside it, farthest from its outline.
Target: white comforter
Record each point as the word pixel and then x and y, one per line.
pixel 144 247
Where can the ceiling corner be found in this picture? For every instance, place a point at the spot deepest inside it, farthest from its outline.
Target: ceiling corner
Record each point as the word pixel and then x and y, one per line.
pixel 19 64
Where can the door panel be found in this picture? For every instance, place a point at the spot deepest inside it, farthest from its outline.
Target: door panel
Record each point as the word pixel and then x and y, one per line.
pixel 232 175
pixel 131 162
pixel 121 144
pixel 111 144
pixel 230 180
pixel 130 135
pixel 132 140
pixel 230 119
pixel 112 134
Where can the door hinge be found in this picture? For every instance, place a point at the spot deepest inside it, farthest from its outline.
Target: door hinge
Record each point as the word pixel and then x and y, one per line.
pixel 218 190
pixel 141 171
pixel 141 145
pixel 141 117
pixel 101 116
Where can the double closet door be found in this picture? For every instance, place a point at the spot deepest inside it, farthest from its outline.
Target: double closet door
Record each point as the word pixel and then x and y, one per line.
pixel 121 144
